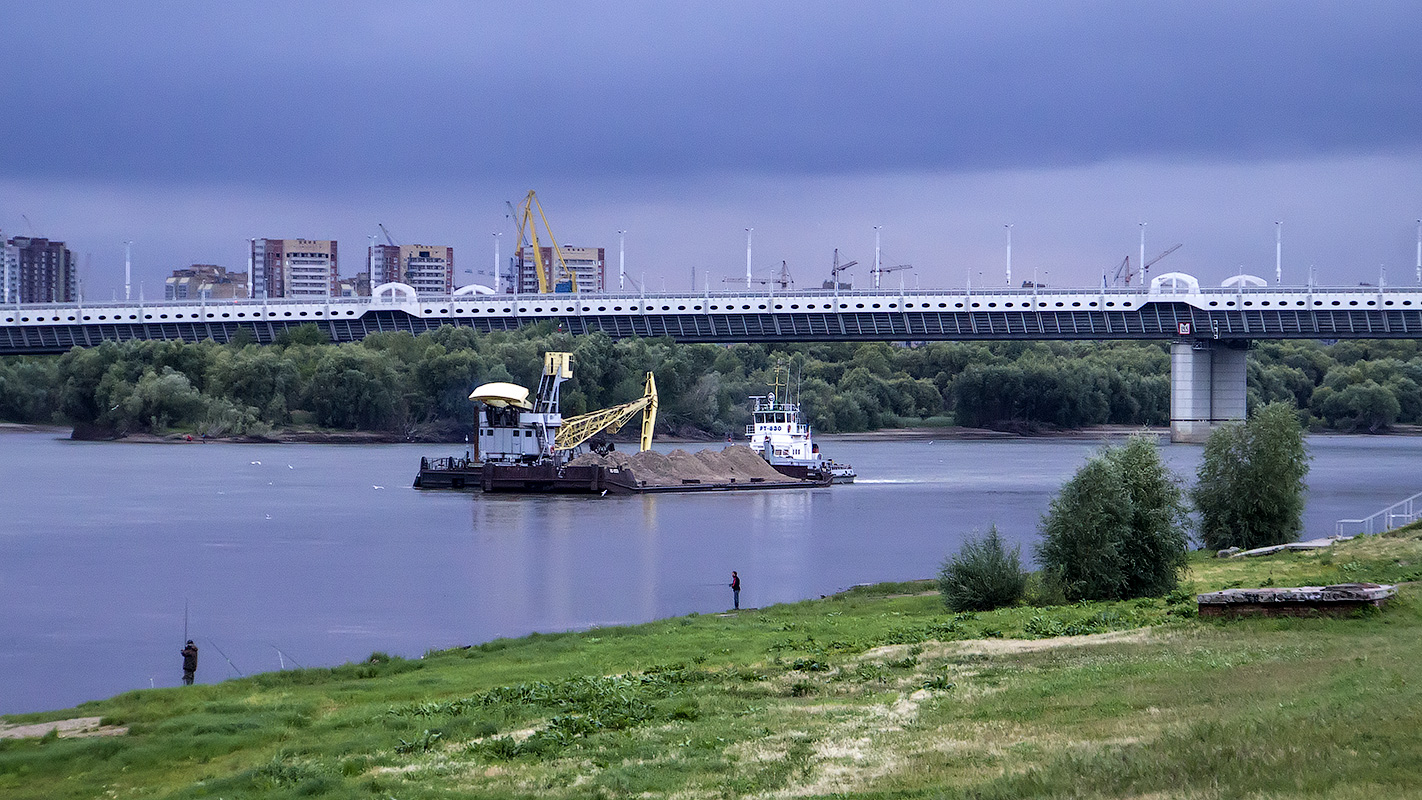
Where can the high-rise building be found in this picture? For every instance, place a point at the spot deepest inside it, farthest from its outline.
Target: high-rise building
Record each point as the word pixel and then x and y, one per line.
pixel 294 268
pixel 206 281
pixel 588 263
pixel 428 268
pixel 37 270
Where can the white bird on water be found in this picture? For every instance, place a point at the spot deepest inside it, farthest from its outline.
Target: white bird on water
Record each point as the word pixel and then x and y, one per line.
pixel 256 463
pixel 373 486
pixel 288 466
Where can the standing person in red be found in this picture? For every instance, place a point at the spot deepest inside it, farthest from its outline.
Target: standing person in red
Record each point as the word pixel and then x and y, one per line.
pixel 736 589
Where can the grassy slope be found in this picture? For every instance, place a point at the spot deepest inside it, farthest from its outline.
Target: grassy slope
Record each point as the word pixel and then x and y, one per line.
pixel 865 693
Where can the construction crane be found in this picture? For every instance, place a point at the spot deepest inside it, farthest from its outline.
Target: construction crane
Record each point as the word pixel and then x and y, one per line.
pixel 835 269
pixel 1124 273
pixel 783 280
pixel 388 237
pixel 886 270
pixel 1145 270
pixel 549 280
pixel 579 429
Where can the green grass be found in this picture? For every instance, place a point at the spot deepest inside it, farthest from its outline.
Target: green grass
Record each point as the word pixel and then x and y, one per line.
pixel 875 692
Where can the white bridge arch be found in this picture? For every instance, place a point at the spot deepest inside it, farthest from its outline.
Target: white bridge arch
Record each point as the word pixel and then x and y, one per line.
pixel 394 292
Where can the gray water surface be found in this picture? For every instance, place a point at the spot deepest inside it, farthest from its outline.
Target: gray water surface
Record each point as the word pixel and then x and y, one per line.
pixel 324 554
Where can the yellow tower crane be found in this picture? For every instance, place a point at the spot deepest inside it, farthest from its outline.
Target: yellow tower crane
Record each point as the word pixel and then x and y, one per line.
pixel 548 279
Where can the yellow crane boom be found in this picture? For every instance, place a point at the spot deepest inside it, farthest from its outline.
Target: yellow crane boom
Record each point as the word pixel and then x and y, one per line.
pixel 528 232
pixel 579 429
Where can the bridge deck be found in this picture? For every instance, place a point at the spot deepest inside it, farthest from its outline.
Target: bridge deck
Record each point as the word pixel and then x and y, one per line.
pixel 1352 313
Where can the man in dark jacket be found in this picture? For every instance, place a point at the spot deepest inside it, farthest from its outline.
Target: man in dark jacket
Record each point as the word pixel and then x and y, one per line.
pixel 189 663
pixel 736 589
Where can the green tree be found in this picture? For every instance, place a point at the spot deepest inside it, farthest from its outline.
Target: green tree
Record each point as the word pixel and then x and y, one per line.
pixel 1117 529
pixel 983 575
pixel 308 333
pixel 354 387
pixel 1250 485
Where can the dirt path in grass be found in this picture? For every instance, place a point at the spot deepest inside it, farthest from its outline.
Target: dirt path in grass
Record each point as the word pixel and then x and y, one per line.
pixel 67 728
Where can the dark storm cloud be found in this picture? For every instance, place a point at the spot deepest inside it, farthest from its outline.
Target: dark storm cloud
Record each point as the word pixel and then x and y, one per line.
pixel 354 93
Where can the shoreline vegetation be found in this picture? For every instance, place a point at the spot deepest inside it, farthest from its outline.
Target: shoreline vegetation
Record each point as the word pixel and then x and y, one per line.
pixel 875 692
pixel 399 387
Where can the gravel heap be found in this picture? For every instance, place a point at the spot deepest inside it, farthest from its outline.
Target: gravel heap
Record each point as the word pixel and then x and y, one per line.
pixel 672 469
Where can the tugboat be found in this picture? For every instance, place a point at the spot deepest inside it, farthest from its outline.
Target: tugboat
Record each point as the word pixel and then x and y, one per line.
pixel 782 437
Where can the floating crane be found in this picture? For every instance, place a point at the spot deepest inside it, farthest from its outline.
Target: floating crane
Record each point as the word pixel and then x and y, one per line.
pixel 515 428
pixel 554 276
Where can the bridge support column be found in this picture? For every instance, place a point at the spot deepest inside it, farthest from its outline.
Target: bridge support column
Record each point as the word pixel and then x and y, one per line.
pixel 1207 387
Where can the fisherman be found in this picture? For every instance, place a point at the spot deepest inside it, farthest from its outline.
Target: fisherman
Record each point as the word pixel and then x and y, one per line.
pixel 736 589
pixel 189 663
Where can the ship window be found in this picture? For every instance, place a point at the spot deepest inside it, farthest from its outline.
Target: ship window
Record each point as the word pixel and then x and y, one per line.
pixel 529 434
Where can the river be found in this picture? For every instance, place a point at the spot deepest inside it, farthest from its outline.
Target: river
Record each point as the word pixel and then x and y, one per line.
pixel 321 554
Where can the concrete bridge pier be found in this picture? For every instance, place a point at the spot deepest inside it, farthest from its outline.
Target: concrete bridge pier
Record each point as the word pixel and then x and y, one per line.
pixel 1207 387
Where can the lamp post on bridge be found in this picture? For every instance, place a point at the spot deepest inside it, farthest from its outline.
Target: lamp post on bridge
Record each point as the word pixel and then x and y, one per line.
pixel 1009 255
pixel 1278 252
pixel 1145 275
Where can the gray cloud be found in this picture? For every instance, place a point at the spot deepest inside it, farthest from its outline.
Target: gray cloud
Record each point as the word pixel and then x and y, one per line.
pixel 355 93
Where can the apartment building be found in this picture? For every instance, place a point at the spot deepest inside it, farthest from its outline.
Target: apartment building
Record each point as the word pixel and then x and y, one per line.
pixel 37 270
pixel 588 263
pixel 427 268
pixel 294 268
pixel 205 281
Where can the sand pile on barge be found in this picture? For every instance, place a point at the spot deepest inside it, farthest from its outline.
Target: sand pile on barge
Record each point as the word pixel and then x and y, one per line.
pixel 736 462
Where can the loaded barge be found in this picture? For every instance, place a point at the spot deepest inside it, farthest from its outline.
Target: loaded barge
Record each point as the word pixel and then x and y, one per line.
pixel 464 473
pixel 526 446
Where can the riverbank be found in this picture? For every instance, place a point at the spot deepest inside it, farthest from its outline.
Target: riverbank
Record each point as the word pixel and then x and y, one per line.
pixel 872 692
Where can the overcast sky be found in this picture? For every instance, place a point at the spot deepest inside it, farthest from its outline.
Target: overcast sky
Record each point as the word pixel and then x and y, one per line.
pixel 189 127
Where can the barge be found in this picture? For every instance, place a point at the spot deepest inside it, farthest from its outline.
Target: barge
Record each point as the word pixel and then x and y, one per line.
pixel 526 446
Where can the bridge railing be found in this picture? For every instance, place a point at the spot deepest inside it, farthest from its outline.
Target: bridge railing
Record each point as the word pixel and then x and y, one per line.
pixel 971 291
pixel 1396 515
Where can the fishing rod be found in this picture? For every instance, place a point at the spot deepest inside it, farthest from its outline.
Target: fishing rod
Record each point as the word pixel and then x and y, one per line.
pixel 224 655
pixel 281 657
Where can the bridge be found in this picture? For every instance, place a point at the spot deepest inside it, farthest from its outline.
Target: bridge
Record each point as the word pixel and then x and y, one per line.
pixel 1210 328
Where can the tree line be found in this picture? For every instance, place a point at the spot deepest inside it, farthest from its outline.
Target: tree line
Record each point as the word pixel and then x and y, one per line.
pixel 418 386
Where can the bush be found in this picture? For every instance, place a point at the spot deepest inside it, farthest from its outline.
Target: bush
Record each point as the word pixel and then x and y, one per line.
pixel 983 575
pixel 1117 528
pixel 1250 485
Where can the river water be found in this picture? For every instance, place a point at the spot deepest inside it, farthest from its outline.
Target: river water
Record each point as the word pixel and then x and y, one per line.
pixel 322 554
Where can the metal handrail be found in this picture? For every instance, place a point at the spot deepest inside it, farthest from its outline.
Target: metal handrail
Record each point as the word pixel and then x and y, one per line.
pixel 1396 515
pixel 997 291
